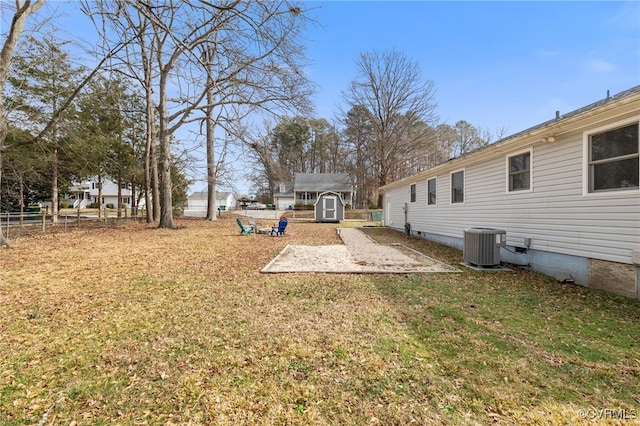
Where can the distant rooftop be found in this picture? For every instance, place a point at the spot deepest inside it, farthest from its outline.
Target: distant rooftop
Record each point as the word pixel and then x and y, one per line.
pixel 316 182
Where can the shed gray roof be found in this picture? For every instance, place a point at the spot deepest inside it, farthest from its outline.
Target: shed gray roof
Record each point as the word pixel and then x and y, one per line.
pixel 320 182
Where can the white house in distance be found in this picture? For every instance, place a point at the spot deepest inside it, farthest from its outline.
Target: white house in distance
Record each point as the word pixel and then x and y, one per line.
pixel 306 187
pixel 197 203
pixel 82 195
pixel 566 192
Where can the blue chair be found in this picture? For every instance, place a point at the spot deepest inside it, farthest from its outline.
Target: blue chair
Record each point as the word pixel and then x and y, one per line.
pixel 282 225
pixel 244 229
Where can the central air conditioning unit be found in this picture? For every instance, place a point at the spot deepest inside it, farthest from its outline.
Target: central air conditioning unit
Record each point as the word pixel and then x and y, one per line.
pixel 482 246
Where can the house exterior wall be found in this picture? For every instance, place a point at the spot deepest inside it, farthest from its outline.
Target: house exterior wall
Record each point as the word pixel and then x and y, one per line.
pixel 229 202
pixel 562 226
pixel 82 195
pixel 284 203
pixel 197 203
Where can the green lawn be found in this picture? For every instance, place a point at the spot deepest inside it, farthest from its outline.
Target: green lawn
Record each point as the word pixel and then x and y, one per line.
pixel 137 325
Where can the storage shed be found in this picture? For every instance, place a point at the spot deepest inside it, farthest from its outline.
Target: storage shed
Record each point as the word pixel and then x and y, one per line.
pixel 329 207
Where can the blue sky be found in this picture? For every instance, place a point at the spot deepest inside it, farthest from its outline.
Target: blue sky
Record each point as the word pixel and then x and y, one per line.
pixel 494 64
pixel 498 65
pixel 501 64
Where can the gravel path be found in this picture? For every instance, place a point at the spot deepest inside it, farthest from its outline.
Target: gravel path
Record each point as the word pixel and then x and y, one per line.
pixel 358 254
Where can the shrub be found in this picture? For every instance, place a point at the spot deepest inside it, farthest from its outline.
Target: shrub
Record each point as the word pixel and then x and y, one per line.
pixel 94 206
pixel 123 205
pixel 64 205
pixel 301 206
pixel 110 205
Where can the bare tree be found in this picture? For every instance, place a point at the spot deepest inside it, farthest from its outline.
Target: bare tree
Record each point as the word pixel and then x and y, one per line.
pixel 391 87
pixel 467 139
pixel 268 168
pixel 254 65
pixel 136 61
pixel 358 133
pixel 210 58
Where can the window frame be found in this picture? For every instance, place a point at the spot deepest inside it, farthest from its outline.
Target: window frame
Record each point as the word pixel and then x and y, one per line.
pixel 451 192
pixel 586 161
pixel 306 196
pixel 412 193
pixel 508 158
pixel 435 192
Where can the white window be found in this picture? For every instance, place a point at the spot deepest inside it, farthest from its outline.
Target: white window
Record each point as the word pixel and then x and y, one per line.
pixel 413 192
pixel 306 196
pixel 613 161
pixel 431 192
pixel 519 172
pixel 457 187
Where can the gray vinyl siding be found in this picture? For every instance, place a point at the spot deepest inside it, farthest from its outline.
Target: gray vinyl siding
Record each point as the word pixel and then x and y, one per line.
pixel 555 214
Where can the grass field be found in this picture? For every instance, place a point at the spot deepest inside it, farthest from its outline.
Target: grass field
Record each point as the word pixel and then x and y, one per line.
pixel 138 325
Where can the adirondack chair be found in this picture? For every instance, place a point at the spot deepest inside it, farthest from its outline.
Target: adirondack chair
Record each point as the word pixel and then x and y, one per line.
pixel 244 229
pixel 258 227
pixel 282 225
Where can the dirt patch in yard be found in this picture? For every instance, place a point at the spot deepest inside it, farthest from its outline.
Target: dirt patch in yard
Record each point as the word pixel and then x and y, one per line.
pixel 358 254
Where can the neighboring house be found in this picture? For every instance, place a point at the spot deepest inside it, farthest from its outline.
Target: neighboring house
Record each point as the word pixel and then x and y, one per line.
pixel 82 195
pixel 197 203
pixel 566 192
pixel 283 196
pixel 306 187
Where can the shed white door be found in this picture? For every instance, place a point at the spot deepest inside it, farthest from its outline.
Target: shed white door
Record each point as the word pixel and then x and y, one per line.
pixel 329 207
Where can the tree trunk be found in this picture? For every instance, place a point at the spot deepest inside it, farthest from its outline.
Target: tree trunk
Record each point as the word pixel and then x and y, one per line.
pixel 4 242
pixel 54 186
pixel 148 153
pixel 155 181
pixel 211 165
pixel 166 209
pixel 133 199
pixel 164 166
pixel 119 196
pixel 21 198
pixel 100 196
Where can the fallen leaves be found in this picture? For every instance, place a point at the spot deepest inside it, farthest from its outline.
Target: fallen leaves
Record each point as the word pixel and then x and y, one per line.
pixel 139 325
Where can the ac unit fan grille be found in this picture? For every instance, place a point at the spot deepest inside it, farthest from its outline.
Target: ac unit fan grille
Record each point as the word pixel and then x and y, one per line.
pixel 482 246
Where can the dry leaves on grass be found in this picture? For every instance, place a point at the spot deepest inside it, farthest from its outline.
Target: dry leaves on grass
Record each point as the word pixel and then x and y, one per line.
pixel 139 324
pixel 136 325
